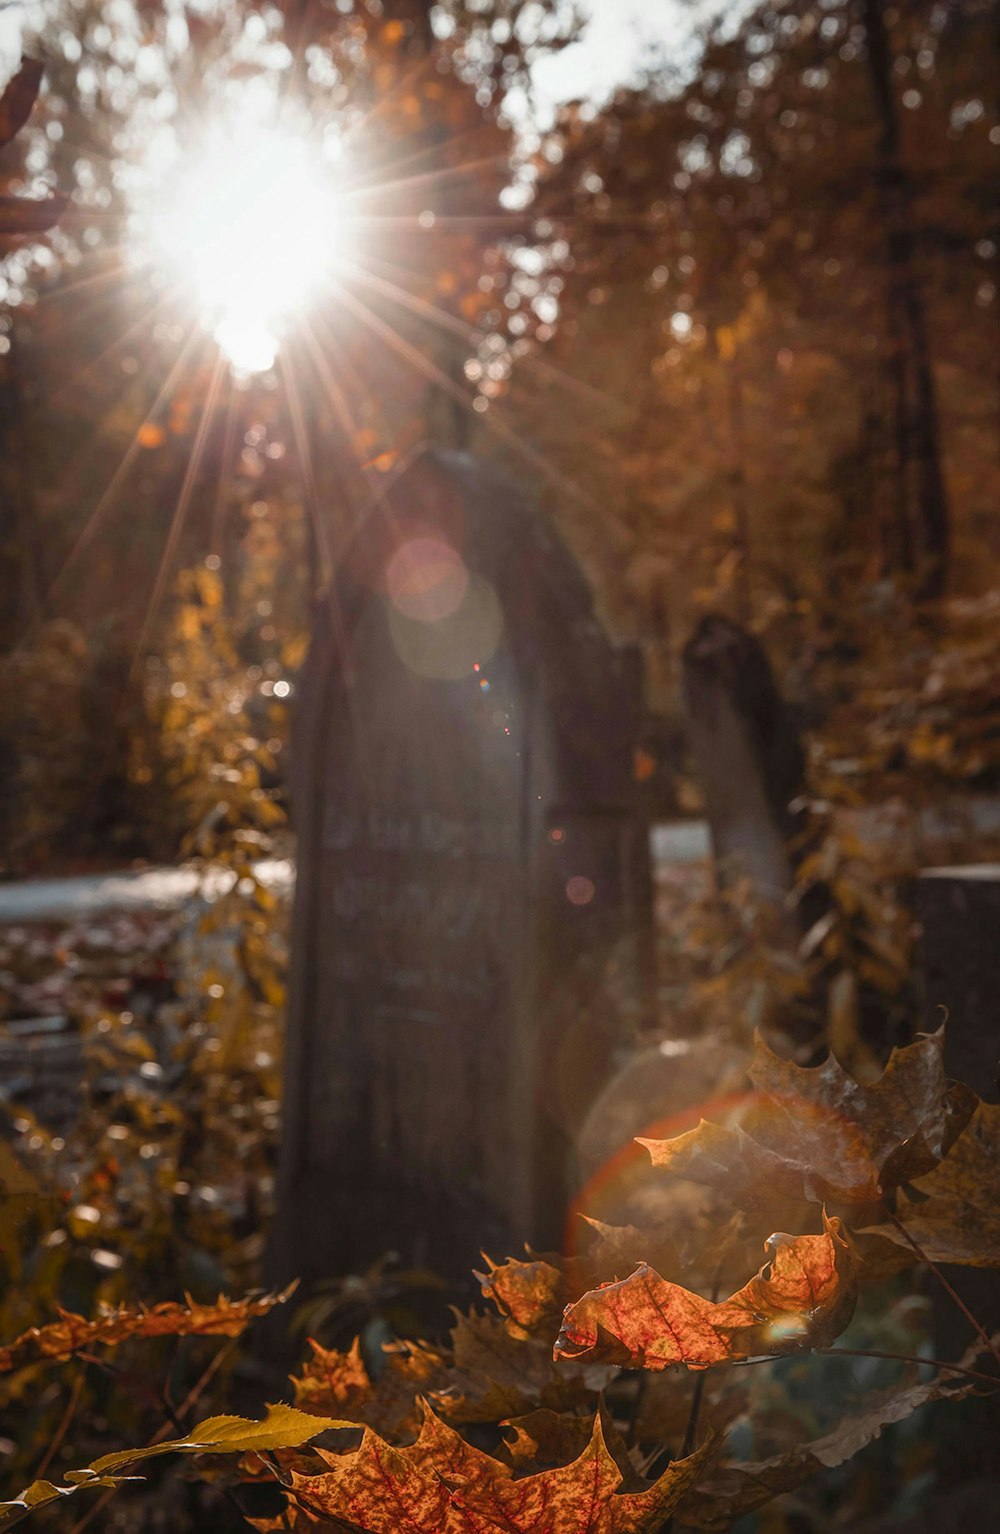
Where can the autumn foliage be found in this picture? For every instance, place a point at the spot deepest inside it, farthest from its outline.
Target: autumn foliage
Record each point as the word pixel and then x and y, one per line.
pixel 523 1419
pixel 611 1389
pixel 804 1296
pixel 75 1334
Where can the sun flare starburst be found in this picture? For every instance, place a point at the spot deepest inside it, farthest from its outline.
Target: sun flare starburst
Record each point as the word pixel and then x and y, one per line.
pixel 253 224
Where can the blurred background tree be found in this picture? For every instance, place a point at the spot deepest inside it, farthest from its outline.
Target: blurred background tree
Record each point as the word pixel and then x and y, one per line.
pixel 120 422
pixel 758 284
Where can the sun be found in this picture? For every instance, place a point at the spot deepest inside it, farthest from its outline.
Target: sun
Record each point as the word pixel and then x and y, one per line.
pixel 252 223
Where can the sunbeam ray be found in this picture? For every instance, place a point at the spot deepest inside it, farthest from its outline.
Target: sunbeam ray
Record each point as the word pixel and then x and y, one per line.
pixel 103 357
pixel 437 177
pixel 177 521
pixel 216 539
pixel 97 516
pixel 471 334
pixel 499 428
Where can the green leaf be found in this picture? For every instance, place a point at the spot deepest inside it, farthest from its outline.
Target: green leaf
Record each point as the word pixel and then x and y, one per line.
pixel 284 1427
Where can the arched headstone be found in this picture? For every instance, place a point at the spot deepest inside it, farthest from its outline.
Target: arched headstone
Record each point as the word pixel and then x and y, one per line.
pixel 472 883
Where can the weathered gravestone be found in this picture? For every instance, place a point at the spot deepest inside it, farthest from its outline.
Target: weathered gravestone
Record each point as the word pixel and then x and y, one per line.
pixel 959 911
pixel 749 757
pixel 472 883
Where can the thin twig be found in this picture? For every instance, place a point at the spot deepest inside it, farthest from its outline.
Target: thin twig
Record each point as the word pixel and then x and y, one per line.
pixel 162 1432
pixel 897 1358
pixel 904 1358
pixel 205 1378
pixel 692 1422
pixel 63 1428
pixel 88 1517
pixel 699 1387
pixel 640 1395
pixel 690 1432
pixel 943 1281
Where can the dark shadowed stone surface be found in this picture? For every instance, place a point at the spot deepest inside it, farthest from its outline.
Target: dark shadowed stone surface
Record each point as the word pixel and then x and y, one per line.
pixel 452 1007
pixel 959 911
pixel 748 754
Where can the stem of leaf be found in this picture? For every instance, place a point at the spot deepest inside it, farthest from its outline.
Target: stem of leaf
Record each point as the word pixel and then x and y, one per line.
pixel 946 1286
pixel 189 1401
pixel 699 1384
pixel 691 1430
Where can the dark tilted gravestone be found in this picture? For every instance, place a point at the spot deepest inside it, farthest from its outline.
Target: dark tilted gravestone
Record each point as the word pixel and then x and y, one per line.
pixel 748 755
pixel 472 896
pixel 959 911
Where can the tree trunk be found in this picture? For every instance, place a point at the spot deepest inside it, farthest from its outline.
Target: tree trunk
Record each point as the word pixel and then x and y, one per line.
pixel 918 433
pixel 21 530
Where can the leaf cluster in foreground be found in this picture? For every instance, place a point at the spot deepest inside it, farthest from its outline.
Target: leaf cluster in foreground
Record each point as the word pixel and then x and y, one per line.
pixel 523 1419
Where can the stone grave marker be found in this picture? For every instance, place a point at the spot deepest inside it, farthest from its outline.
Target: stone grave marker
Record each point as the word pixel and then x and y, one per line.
pixel 472 905
pixel 749 758
pixel 959 911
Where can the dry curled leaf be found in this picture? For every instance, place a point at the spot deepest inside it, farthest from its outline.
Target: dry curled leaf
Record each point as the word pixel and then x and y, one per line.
pixel 442 1485
pixel 73 1334
pixel 954 1213
pixel 803 1297
pixel 497 1375
pixel 487 1375
pixel 529 1295
pixel 815 1133
pixel 532 1295
pixel 544 1438
pixel 340 1384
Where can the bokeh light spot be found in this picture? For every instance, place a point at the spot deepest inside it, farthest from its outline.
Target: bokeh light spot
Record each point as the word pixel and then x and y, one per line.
pixel 580 890
pixel 442 649
pixel 427 579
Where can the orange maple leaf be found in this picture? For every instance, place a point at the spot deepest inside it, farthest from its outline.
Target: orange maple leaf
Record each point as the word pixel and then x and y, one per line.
pixel 442 1485
pixel 340 1385
pixel 803 1297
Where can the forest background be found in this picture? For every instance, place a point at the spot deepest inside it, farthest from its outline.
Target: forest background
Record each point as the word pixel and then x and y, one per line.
pixel 737 327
